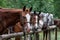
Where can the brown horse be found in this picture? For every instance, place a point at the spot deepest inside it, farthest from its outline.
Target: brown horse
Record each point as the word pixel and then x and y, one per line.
pixel 46 22
pixel 19 27
pixel 8 17
pixel 57 22
pixel 35 23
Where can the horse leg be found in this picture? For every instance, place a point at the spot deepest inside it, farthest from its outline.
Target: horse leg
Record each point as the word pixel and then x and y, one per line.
pixel 56 34
pixel 8 33
pixel 37 36
pixel 44 35
pixel 10 30
pixel 49 34
pixel 31 36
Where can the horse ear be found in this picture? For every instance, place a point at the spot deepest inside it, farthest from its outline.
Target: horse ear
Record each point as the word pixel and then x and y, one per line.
pixel 39 12
pixel 35 12
pixel 24 8
pixel 31 9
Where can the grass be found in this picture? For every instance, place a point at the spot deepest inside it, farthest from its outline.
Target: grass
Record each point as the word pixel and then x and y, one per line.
pixel 52 36
pixel 58 36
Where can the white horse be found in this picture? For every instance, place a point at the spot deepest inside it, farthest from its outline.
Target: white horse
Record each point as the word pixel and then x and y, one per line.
pixel 44 18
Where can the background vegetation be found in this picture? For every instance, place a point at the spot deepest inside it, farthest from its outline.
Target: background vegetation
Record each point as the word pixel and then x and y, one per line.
pixel 51 6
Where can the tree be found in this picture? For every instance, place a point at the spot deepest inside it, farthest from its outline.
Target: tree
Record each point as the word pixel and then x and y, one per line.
pixel 51 6
pixel 57 7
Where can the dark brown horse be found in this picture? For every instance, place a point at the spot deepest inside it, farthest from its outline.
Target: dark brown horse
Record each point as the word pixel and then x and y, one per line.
pixel 57 22
pixel 35 24
pixel 8 17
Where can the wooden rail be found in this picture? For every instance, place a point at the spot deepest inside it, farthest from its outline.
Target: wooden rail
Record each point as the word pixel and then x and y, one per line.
pixel 5 36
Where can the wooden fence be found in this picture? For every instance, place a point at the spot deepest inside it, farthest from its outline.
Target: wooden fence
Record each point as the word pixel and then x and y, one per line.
pixel 5 36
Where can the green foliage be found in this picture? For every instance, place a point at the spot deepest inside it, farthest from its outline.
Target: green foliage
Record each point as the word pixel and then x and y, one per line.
pixel 57 7
pixel 51 6
pixel 48 6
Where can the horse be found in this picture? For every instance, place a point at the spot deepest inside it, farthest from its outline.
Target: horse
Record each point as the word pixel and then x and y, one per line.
pixel 31 20
pixel 46 20
pixel 8 18
pixel 34 22
pixel 57 22
pixel 24 25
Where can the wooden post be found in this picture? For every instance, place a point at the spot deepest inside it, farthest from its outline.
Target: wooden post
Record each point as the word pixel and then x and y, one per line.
pixel 46 34
pixel 24 36
pixel 49 35
pixel 1 38
pixel 37 36
pixel 43 35
pixel 31 36
pixel 24 33
pixel 56 34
